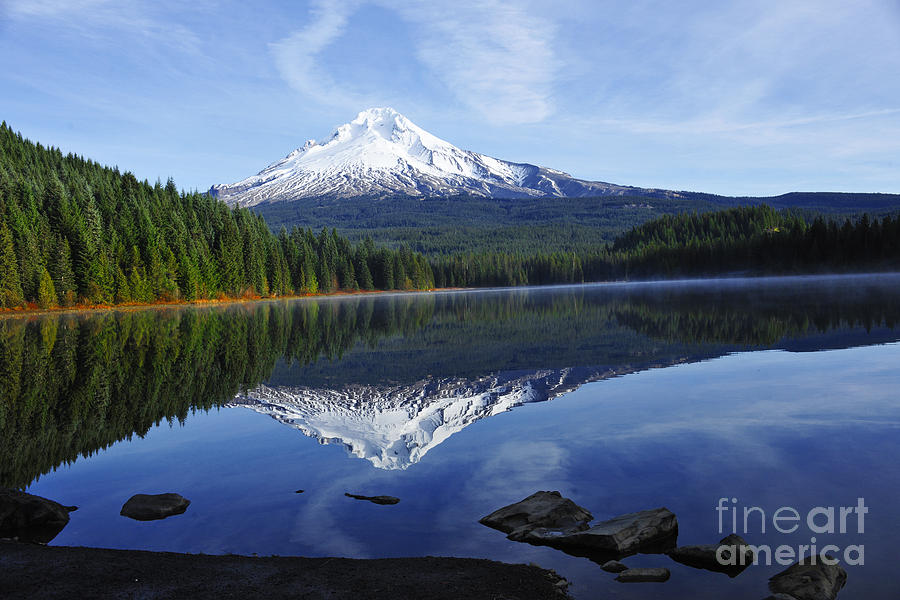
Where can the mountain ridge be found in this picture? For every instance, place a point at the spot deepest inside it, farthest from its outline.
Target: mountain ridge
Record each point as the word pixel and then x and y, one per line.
pixel 382 153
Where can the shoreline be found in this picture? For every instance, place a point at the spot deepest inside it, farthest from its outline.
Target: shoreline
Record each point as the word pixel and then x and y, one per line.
pixel 710 277
pixel 50 572
pixel 211 302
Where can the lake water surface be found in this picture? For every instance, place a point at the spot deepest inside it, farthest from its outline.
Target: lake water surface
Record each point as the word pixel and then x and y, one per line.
pixel 775 392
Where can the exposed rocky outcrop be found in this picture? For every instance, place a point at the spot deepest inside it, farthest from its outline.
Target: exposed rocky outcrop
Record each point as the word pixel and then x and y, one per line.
pixel 375 499
pixel 734 552
pixel 652 530
pixel 811 578
pixel 643 575
pixel 31 518
pixel 150 507
pixel 548 519
pixel 541 509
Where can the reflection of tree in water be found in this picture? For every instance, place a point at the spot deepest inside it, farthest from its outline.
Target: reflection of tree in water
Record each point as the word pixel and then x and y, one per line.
pixel 72 384
pixel 760 317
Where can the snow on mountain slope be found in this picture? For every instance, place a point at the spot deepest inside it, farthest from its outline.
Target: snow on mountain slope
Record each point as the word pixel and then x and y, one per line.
pixel 393 427
pixel 381 152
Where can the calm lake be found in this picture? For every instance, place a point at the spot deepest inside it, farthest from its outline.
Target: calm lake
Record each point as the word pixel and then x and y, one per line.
pixel 781 392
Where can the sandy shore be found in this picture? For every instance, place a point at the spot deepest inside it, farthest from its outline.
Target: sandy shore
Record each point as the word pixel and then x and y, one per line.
pixel 36 572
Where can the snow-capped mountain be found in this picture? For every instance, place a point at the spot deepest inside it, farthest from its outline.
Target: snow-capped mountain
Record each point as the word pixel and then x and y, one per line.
pixel 381 153
pixel 394 426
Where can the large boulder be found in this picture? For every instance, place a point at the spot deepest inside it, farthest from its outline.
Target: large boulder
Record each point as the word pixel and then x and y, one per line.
pixel 150 507
pixel 810 579
pixel 30 518
pixel 542 509
pixel 736 555
pixel 645 531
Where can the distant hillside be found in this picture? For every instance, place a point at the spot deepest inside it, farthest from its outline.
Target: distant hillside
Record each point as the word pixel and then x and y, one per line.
pixel 475 224
pixel 479 224
pixel 834 203
pixel 747 240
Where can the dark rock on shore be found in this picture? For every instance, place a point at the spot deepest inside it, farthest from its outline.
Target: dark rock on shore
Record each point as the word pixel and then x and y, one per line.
pixel 645 575
pixel 31 518
pixel 648 530
pixel 548 519
pixel 736 556
pixel 613 566
pixel 151 507
pixel 53 572
pixel 375 499
pixel 810 579
pixel 541 509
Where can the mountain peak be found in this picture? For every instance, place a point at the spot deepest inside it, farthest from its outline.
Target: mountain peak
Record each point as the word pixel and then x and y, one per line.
pixel 379 115
pixel 382 153
pixel 374 125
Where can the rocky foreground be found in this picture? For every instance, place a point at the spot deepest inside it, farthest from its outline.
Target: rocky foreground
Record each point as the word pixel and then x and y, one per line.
pixel 36 572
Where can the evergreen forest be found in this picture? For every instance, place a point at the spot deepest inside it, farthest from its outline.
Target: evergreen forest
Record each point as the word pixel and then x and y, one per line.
pixel 75 232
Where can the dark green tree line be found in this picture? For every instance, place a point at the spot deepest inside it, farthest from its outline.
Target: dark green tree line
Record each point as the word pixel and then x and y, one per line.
pixel 755 240
pixel 73 231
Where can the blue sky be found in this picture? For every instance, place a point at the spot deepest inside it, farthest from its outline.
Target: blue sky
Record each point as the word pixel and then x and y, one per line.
pixel 758 97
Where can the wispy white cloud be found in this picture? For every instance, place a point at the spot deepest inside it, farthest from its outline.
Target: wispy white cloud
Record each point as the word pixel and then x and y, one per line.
pixel 497 58
pixel 297 55
pixel 765 66
pixel 494 57
pixel 147 22
pixel 51 8
pixel 717 124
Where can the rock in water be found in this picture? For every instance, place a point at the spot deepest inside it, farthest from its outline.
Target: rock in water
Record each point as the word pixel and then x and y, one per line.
pixel 736 556
pixel 810 579
pixel 613 566
pixel 30 518
pixel 652 575
pixel 375 499
pixel 150 507
pixel 542 509
pixel 646 530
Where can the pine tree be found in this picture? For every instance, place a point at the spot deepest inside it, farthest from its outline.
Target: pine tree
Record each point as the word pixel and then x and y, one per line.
pixel 123 290
pixel 10 286
pixel 46 295
pixel 61 272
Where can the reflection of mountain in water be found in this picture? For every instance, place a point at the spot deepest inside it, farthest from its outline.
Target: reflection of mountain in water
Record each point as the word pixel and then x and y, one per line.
pixel 71 384
pixel 394 426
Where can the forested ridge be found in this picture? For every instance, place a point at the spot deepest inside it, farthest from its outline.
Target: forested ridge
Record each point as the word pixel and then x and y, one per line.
pixel 75 232
pixel 461 224
pixel 749 239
